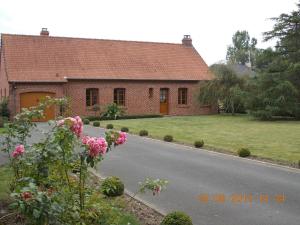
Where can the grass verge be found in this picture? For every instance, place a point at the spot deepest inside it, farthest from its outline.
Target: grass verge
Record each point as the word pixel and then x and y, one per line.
pixel 275 140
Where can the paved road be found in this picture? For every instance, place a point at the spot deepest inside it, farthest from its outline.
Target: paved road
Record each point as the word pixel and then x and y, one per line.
pixel 196 172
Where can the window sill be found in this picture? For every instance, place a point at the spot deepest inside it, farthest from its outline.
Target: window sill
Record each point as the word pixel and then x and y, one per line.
pixel 183 106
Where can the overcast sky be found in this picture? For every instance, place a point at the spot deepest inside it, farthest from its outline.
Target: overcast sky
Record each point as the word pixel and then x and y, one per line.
pixel 211 23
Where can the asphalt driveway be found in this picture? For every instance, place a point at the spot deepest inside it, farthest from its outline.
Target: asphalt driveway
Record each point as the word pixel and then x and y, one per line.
pixel 215 189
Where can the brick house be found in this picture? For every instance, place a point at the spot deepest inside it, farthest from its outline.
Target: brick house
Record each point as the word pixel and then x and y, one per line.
pixel 143 77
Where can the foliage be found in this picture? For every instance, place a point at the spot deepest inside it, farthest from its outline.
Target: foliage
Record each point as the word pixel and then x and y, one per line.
pixel 143 133
pixel 50 177
pixel 153 185
pixel 45 188
pixel 244 152
pixel 199 144
pixel 86 121
pixel 96 123
pixel 124 129
pixel 6 174
pixel 112 187
pixel 4 110
pixel 272 95
pixel 168 138
pixel 37 205
pixel 96 109
pixel 109 126
pixel 177 218
pixel 276 92
pixel 102 210
pixel 1 122
pixel 226 89
pixel 242 49
pixel 113 111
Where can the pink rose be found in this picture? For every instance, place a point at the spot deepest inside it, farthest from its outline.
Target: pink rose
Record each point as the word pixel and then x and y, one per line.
pixel 85 140
pixel 95 145
pixel 19 150
pixel 76 124
pixel 121 139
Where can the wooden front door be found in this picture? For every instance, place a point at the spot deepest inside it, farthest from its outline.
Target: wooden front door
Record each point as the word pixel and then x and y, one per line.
pixel 164 101
pixel 30 99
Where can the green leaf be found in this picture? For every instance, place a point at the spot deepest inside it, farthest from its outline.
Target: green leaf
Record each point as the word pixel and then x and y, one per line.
pixel 36 213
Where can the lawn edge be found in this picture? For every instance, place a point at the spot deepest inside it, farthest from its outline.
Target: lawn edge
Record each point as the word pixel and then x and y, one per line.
pixel 264 161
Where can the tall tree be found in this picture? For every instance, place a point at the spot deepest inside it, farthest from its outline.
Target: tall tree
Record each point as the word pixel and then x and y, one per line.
pixel 225 90
pixel 277 89
pixel 242 49
pixel 287 31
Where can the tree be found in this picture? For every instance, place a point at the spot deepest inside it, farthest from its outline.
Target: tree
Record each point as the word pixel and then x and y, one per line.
pixel 287 31
pixel 225 89
pixel 242 48
pixel 276 91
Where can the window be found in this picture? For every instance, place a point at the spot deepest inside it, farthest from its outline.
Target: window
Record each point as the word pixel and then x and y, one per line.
pixel 150 92
pixel 182 96
pixel 92 96
pixel 119 96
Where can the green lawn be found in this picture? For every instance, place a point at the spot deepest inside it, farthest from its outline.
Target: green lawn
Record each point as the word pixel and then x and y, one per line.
pixel 276 140
pixel 2 130
pixel 5 175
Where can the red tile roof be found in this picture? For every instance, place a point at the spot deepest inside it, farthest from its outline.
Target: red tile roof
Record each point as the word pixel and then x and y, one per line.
pixel 47 58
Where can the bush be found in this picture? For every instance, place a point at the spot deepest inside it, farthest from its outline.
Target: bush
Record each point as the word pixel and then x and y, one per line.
pixel 124 129
pixel 4 110
pixel 143 133
pixel 96 124
pixel 1 122
pixel 177 218
pixel 109 126
pixel 112 186
pixel 113 111
pixel 199 144
pixel 168 138
pixel 244 152
pixel 262 115
pixel 86 121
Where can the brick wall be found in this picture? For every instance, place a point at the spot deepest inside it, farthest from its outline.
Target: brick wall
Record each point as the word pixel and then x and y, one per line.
pixel 137 96
pixel 4 87
pixel 137 100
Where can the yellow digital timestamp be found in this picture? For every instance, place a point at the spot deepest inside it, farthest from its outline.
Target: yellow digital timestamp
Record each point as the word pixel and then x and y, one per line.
pixel 241 198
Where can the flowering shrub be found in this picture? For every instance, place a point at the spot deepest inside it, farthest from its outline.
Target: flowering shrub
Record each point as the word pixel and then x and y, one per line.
pixel 154 185
pixel 50 176
pixel 95 146
pixel 75 124
pixel 19 150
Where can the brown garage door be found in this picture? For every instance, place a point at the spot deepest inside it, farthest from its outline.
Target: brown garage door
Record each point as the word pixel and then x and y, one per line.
pixel 33 99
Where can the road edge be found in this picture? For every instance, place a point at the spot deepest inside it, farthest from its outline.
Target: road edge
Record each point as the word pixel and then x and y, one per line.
pixel 131 194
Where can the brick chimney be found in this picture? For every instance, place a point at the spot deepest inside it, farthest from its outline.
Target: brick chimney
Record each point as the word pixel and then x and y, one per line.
pixel 187 40
pixel 44 32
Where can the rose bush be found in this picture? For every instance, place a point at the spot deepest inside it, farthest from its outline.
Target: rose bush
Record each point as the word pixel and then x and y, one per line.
pixel 50 176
